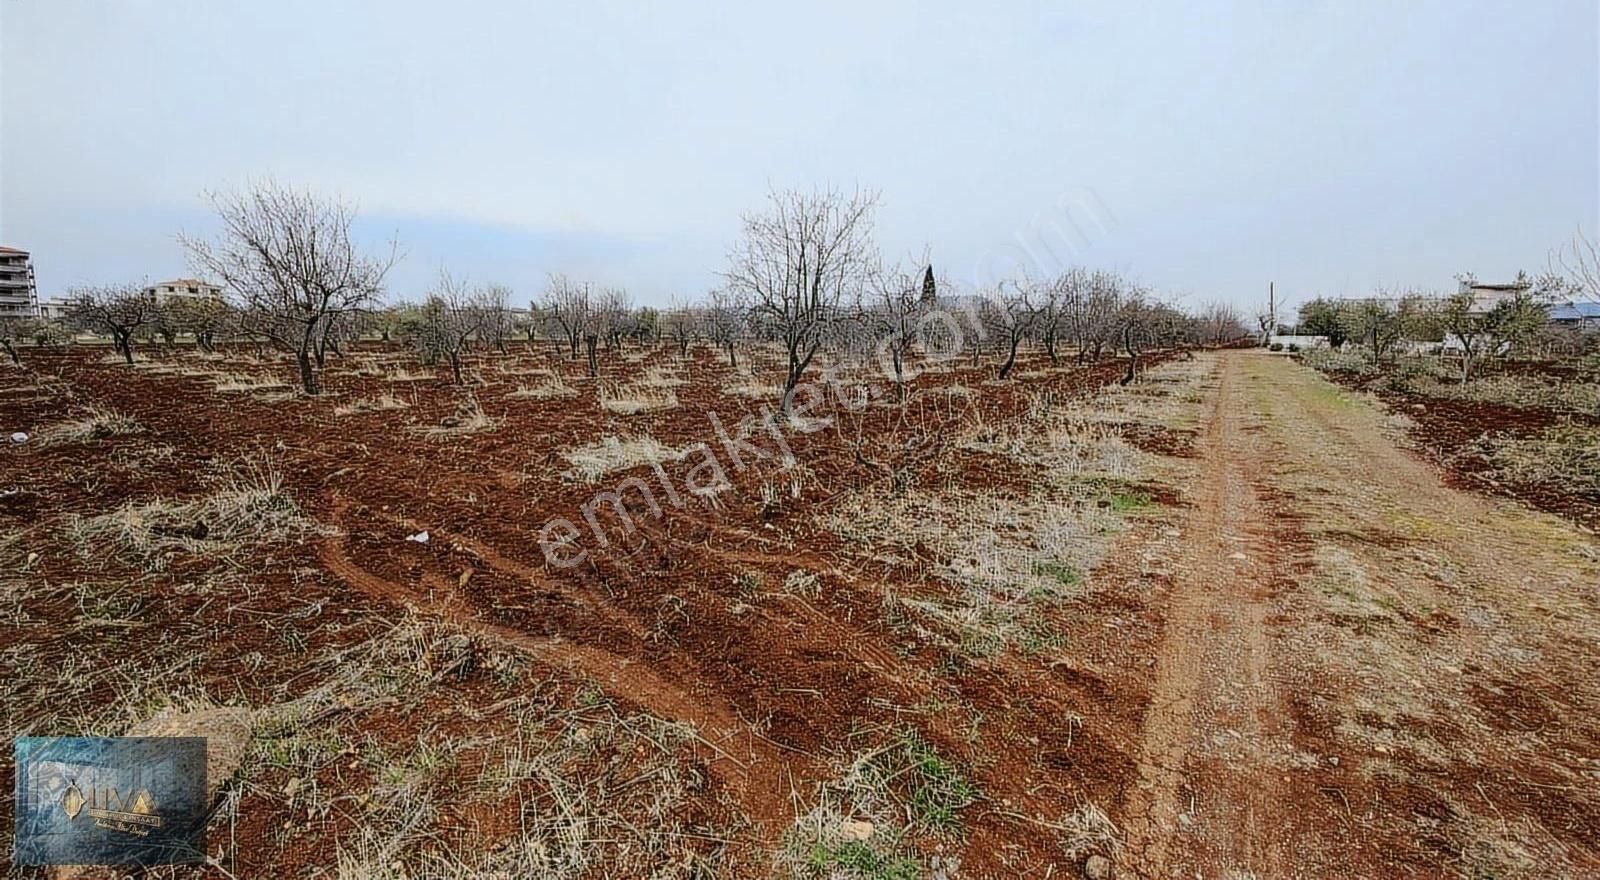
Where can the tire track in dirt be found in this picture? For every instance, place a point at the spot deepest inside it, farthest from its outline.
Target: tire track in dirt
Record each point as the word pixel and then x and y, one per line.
pixel 751 779
pixel 1206 801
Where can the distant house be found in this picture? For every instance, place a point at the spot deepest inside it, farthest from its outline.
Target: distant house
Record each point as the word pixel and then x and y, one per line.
pixel 1485 297
pixel 192 288
pixel 1576 314
pixel 1298 341
pixel 54 309
pixel 18 296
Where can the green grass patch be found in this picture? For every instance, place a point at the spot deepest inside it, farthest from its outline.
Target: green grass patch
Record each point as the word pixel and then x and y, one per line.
pixel 1131 501
pixel 1040 636
pixel 1061 572
pixel 860 860
pixel 935 792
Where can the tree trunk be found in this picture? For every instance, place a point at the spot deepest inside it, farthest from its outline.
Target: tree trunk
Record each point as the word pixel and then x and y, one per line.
pixel 1133 356
pixel 455 366
pixel 124 342
pixel 733 358
pixel 588 346
pixel 1011 357
pixel 308 377
pixel 797 368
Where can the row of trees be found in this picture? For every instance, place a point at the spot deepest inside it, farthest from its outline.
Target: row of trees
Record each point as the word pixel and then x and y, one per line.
pixel 1518 323
pixel 1457 323
pixel 804 274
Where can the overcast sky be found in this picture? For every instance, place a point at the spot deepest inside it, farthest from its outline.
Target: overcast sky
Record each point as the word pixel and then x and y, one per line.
pixel 1330 146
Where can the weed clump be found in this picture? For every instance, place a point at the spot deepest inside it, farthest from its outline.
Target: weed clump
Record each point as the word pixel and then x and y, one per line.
pixel 864 822
pixel 248 507
pixel 98 423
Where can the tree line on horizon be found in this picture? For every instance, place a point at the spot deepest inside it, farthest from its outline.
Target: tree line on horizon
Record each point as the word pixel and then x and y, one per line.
pixel 804 274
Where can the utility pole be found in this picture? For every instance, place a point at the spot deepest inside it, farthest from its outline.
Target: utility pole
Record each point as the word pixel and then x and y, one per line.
pixel 1270 325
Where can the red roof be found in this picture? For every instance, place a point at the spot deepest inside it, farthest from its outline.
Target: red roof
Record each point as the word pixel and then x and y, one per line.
pixel 11 250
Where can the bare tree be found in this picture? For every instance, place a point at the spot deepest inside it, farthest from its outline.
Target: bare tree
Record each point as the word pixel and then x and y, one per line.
pixel 453 316
pixel 118 309
pixel 1579 262
pixel 1138 323
pixel 1221 323
pixel 569 304
pixel 900 297
pixel 797 264
pixel 678 324
pixel 725 323
pixel 1090 305
pixel 613 315
pixel 202 317
pixel 1267 316
pixel 42 332
pixel 492 302
pixel 1049 318
pixel 1008 317
pixel 288 255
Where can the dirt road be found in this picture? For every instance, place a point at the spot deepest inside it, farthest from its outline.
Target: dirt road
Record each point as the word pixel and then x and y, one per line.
pixel 1361 672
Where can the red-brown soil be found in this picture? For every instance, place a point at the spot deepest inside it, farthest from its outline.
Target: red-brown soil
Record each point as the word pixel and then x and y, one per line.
pixel 1452 432
pixel 1177 647
pixel 775 691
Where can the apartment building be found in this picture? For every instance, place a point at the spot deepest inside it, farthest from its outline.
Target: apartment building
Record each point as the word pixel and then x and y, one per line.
pixel 19 298
pixel 162 291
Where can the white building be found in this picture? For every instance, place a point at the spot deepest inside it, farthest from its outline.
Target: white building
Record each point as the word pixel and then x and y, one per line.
pixel 162 291
pixel 1486 296
pixel 54 309
pixel 18 296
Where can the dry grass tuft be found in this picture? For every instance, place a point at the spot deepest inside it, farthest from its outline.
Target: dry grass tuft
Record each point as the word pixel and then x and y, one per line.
pixel 381 403
pixel 1091 450
pixel 468 418
pixel 402 374
pixel 98 423
pixel 1567 455
pixel 247 383
pixel 248 508
pixel 662 377
pixel 1089 831
pixel 1507 390
pixel 591 462
pixel 592 791
pixel 1007 558
pixel 629 400
pixel 755 389
pixel 550 385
